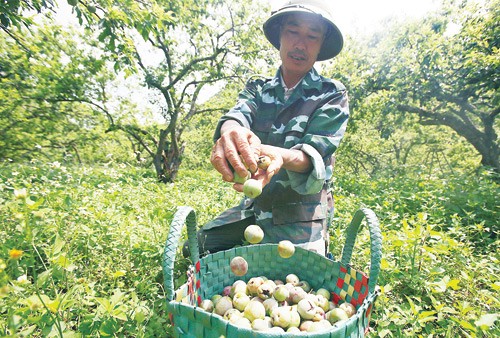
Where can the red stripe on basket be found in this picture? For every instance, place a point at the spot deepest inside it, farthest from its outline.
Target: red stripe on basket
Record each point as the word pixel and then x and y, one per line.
pixel 357 286
pixel 336 298
pixel 361 299
pixel 354 302
pixel 368 314
pixel 340 283
pixel 344 270
pixel 368 311
pixel 199 300
pixel 198 266
pixel 198 284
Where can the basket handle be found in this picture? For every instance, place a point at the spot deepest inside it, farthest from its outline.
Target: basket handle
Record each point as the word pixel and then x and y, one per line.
pixel 375 239
pixel 184 215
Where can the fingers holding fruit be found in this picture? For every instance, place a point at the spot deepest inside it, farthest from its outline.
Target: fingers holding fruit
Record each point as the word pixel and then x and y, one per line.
pixel 275 156
pixel 231 166
pixel 248 166
pixel 241 146
pixel 269 162
pixel 251 184
pixel 263 162
pixel 236 149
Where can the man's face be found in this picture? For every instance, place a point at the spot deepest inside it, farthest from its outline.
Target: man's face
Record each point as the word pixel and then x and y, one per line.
pixel 300 42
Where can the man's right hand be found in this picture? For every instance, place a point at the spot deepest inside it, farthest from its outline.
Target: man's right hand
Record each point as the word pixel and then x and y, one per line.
pixel 235 141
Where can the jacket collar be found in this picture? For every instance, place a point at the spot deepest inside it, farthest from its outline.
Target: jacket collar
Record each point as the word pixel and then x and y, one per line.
pixel 312 80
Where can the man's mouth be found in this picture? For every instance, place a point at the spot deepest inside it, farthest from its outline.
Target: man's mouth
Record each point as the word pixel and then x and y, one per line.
pixel 297 56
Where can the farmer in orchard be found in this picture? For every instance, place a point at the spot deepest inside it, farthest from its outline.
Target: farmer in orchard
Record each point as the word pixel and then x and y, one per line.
pixel 297 119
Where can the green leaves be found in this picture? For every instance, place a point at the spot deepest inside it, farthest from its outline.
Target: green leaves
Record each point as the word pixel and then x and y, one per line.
pixel 52 101
pixel 12 12
pixel 94 258
pixel 95 234
pixel 438 276
pixel 442 70
pixel 114 306
pixel 97 261
pixel 442 285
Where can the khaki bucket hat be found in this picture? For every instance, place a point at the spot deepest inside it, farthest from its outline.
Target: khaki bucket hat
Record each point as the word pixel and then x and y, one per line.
pixel 333 38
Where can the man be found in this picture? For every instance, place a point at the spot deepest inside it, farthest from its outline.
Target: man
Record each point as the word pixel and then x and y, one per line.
pixel 297 119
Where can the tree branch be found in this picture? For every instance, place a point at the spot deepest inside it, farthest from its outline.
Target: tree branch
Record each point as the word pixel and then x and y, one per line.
pixel 470 132
pixel 462 103
pixel 135 132
pixel 192 108
pixel 189 66
pixel 202 82
pixel 16 39
pixel 166 52
pixel 209 110
pixel 104 110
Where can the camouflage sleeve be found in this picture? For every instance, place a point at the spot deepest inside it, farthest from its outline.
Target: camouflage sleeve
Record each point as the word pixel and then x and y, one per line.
pixel 325 130
pixel 242 111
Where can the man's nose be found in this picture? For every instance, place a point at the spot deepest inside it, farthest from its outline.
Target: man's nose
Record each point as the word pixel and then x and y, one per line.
pixel 300 43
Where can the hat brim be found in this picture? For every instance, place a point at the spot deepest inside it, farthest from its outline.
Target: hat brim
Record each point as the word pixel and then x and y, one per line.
pixel 332 45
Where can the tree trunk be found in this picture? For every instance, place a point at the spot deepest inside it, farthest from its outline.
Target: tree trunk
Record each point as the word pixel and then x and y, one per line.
pixel 490 157
pixel 160 156
pixel 168 156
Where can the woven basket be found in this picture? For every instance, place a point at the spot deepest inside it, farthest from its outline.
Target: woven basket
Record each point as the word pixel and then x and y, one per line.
pixel 212 273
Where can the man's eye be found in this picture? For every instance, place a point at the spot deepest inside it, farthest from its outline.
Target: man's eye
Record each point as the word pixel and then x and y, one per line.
pixel 313 37
pixel 292 32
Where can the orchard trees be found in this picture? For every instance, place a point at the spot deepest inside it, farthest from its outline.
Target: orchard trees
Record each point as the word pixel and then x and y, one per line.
pixel 446 71
pixel 210 44
pixel 179 48
pixel 53 98
pixel 14 14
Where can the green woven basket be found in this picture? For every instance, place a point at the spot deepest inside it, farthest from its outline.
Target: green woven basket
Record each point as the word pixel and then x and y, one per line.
pixel 212 273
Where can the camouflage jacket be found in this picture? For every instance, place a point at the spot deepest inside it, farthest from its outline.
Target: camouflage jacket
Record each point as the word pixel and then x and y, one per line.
pixel 293 206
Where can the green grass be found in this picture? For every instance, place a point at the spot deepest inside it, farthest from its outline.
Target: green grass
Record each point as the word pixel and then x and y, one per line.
pixel 92 240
